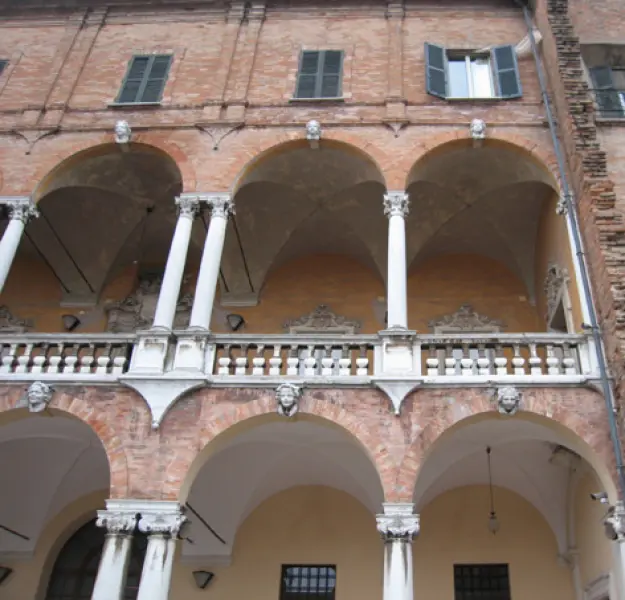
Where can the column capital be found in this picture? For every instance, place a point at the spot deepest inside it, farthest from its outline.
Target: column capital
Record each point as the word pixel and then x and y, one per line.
pixel 162 517
pixel 396 203
pixel 20 208
pixel 188 204
pixel 398 523
pixel 221 205
pixel 614 522
pixel 117 522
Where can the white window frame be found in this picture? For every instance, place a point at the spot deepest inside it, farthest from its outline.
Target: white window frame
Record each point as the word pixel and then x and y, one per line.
pixel 469 59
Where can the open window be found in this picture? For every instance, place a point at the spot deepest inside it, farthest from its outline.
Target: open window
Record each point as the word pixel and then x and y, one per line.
pixel 606 70
pixel 461 74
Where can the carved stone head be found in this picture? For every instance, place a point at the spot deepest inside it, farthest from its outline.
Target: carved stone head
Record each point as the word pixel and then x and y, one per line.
pixel 122 132
pixel 478 129
pixel 508 400
pixel 287 398
pixel 313 130
pixel 38 395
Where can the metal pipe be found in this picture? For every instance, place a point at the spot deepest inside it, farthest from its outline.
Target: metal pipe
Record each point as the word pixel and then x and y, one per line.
pixel 571 214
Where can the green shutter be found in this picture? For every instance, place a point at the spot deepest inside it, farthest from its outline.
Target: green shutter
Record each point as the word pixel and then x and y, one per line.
pixel 330 79
pixel 3 65
pixel 145 79
pixel 307 75
pixel 436 70
pixel 506 72
pixel 607 97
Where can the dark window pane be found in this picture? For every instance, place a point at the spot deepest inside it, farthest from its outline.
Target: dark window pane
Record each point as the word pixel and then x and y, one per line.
pixel 310 62
pixel 330 86
pixel 481 582
pixel 306 86
pixel 130 91
pixel 332 63
pixel 138 67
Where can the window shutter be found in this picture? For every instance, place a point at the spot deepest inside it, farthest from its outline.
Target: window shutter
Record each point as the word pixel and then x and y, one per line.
pixel 137 68
pixel 506 71
pixel 156 79
pixel 435 70
pixel 307 75
pixel 3 65
pixel 331 74
pixel 607 97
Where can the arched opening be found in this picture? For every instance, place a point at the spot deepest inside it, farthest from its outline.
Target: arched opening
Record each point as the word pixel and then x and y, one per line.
pixel 489 208
pixel 98 249
pixel 550 539
pixel 54 472
pixel 295 202
pixel 76 567
pixel 306 473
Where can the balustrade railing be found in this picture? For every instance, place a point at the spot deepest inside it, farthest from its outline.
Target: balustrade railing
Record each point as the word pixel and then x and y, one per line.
pixel 294 355
pixel 65 355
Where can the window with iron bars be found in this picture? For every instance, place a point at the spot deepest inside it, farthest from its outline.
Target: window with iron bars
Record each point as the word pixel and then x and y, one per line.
pixel 308 582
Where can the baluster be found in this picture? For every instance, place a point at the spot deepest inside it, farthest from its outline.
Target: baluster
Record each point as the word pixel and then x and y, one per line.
pixel 553 361
pixel 535 361
pixel 103 361
pixel 8 359
pixel 39 360
pixel 258 361
pixel 501 362
pixel 327 362
pixel 240 361
pixel 518 361
pixel 432 362
pixel 362 362
pixel 568 362
pixel 70 361
pixel 292 361
pixel 275 362
pixel 310 362
pixel 119 364
pixel 87 359
pixel 450 361
pixel 225 361
pixel 23 360
pixel 345 362
pixel 466 362
pixel 54 361
pixel 483 361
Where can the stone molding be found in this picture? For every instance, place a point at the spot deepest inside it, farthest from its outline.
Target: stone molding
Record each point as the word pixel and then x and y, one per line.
pixel 396 204
pixel 322 320
pixel 398 523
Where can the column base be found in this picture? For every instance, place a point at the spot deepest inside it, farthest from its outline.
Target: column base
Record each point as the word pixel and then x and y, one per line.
pixel 193 353
pixel 151 353
pixel 399 353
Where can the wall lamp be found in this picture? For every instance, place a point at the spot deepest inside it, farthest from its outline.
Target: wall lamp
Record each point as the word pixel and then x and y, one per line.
pixel 235 322
pixel 4 573
pixel 70 322
pixel 203 578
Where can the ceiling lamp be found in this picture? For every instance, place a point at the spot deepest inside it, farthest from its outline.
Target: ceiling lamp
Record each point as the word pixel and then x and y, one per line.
pixel 493 521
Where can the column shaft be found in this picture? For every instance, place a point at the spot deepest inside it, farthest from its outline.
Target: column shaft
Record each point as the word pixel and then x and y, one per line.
pixel 174 269
pixel 20 209
pixel 157 568
pixel 396 207
pixel 206 288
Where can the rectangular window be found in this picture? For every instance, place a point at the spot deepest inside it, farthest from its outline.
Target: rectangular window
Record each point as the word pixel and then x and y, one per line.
pixel 459 74
pixel 320 74
pixel 145 79
pixel 481 582
pixel 308 582
pixel 3 65
pixel 609 87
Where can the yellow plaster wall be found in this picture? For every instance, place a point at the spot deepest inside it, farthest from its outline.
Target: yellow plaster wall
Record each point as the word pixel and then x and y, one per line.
pixel 454 531
pixel 595 554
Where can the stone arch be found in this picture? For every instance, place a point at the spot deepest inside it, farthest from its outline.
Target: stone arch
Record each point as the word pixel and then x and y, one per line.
pixel 219 423
pixel 75 406
pixel 542 406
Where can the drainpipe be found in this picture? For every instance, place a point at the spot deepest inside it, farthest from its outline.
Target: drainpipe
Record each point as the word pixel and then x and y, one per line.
pixel 573 223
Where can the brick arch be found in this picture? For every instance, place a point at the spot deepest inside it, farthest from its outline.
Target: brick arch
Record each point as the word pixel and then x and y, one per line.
pixel 97 420
pixel 244 162
pixel 591 441
pixel 181 471
pixel 54 162
pixel 534 149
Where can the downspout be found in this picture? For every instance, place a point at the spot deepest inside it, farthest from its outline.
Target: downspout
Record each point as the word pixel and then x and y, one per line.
pixel 571 215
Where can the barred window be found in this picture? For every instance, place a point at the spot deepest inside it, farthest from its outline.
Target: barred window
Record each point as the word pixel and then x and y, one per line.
pixel 481 582
pixel 308 582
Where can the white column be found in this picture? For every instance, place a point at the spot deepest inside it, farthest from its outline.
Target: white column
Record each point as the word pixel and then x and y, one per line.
pixel 614 524
pixel 174 269
pixel 21 209
pixel 162 526
pixel 221 208
pixel 398 526
pixel 111 579
pixel 396 205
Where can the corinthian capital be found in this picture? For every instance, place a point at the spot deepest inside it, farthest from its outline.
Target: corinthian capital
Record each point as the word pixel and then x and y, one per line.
pixel 21 208
pixel 117 522
pixel 398 522
pixel 166 523
pixel 188 204
pixel 396 204
pixel 221 205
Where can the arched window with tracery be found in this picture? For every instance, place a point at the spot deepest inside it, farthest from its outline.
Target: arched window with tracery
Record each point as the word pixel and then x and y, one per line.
pixel 76 566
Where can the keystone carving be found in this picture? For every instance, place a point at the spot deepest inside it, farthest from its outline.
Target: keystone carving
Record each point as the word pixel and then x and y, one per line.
pixel 508 400
pixel 477 129
pixel 313 133
pixel 287 399
pixel 123 133
pixel 37 397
